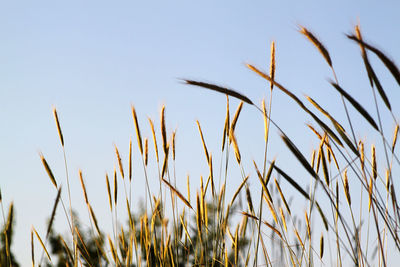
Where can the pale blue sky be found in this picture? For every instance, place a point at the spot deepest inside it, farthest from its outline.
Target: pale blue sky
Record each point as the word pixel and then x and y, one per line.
pixel 93 59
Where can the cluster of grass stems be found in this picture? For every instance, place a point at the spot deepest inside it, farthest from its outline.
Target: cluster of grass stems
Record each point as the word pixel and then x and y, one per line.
pixel 204 230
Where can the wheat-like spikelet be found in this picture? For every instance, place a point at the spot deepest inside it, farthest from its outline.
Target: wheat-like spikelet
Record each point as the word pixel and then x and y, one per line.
pixel 96 225
pixel 109 191
pixel 313 158
pixel 282 196
pixel 154 138
pixel 387 175
pixel 235 145
pixel 396 131
pixel 173 144
pixel 115 187
pixel 179 194
pixel 321 246
pixel 121 168
pixel 83 187
pixel 203 142
pixel 307 225
pixel 272 64
pixel 48 170
pixel 370 188
pixel 42 244
pixel 138 134
pixel 165 163
pixel 373 160
pixel 146 151
pixel 272 210
pixel 163 131
pixel 249 200
pixel 58 126
pixel 226 124
pixel 346 187
pixel 283 218
pixel 317 44
pixel 236 116
pixel 362 154
pixel 298 237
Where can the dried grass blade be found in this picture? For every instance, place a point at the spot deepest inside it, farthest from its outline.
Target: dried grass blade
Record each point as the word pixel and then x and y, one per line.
pixel 203 142
pixel 298 101
pixel 282 196
pixel 42 244
pixel 236 116
pixel 323 217
pixel 292 182
pixel 48 170
pixel 299 155
pixel 264 184
pixel 138 135
pixel 221 90
pixel 226 125
pixel 396 131
pixel 53 212
pixel 179 194
pixel 356 105
pixel 388 62
pixel 238 190
pixel 321 48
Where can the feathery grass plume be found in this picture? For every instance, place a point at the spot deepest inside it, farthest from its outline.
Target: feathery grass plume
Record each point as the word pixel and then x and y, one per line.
pixel 282 196
pixel 42 244
pixel 387 175
pixel 317 44
pixel 58 126
pixel 188 187
pixel 272 64
pixel 321 246
pixel 32 250
pixel 221 90
pixel 396 131
pixel 179 194
pixel 283 218
pixel 48 170
pixel 163 131
pixel 362 154
pixel 83 187
pixel 390 65
pixel 138 135
pixel 53 212
pixel 121 169
pixel 236 116
pixel 109 191
pixel 154 138
pixel 146 151
pixel 264 110
pixel 173 144
pixel 346 187
pixel 235 146
pixel 115 187
pixel 226 124
pixel 356 105
pixel 237 190
pixel 373 162
pixel 203 142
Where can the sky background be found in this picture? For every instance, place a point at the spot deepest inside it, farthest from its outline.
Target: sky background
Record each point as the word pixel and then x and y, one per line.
pixel 93 59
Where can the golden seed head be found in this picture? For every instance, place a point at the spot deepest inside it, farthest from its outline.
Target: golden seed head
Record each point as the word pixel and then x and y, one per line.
pixel 373 160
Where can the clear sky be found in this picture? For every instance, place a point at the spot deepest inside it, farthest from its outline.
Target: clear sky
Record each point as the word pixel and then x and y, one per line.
pixel 93 59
